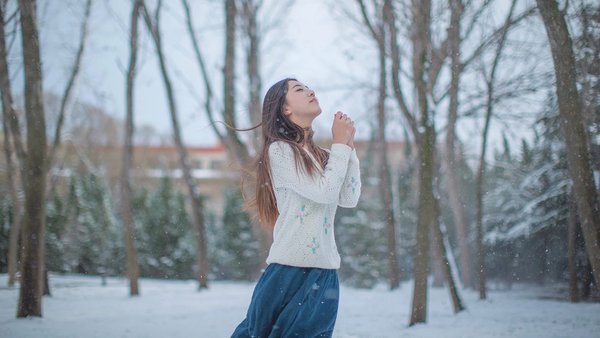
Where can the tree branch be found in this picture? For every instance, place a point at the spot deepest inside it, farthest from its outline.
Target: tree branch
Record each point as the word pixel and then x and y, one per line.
pixel 70 83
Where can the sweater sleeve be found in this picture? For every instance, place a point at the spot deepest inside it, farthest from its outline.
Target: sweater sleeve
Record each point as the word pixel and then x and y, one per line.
pixel 321 188
pixel 352 184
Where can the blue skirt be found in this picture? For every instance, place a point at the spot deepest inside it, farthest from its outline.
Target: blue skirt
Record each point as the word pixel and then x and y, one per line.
pixel 291 301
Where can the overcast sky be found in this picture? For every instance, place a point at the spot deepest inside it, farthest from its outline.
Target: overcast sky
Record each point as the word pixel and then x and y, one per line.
pixel 304 45
pixel 314 42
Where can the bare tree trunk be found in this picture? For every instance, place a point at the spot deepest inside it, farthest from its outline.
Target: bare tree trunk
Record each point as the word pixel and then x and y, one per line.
pixel 479 181
pixel 250 10
pixel 377 30
pixel 16 205
pixel 126 203
pixel 454 194
pixel 196 203
pixel 479 204
pixel 234 143
pixel 66 98
pixel 249 13
pixel 30 294
pixel 436 261
pixel 61 116
pixel 440 241
pixel 384 173
pixel 8 107
pixel 421 11
pixel 205 77
pixel 12 176
pixel 572 251
pixel 572 124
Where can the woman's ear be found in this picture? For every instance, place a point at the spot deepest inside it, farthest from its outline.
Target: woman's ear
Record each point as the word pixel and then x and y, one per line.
pixel 286 110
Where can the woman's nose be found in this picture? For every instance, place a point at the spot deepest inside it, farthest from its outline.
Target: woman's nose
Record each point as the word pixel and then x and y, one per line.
pixel 311 92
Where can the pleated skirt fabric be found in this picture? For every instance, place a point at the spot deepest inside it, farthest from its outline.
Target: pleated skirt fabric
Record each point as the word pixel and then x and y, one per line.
pixel 292 302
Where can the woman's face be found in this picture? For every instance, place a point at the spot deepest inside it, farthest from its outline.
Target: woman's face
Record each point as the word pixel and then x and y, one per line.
pixel 301 104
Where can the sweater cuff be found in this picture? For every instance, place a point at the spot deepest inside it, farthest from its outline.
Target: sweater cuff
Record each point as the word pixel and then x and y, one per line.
pixel 353 156
pixel 343 150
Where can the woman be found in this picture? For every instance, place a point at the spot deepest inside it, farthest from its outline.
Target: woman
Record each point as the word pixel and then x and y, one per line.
pixel 299 187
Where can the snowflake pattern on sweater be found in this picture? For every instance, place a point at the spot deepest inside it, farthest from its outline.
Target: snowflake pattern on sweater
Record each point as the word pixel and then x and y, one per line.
pixel 313 245
pixel 302 214
pixel 326 225
pixel 304 231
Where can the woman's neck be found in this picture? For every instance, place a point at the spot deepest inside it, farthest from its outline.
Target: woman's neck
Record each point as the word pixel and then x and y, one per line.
pixel 307 135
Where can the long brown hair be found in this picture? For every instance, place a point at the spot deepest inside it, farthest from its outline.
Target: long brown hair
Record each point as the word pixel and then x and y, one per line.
pixel 278 127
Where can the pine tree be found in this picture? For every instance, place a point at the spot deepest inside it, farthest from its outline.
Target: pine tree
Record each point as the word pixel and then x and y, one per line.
pixel 529 207
pixel 57 214
pixel 360 233
pixel 91 243
pixel 237 248
pixel 162 225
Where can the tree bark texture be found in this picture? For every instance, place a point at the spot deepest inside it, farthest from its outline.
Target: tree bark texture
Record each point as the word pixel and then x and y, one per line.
pixel 126 202
pixel 572 251
pixel 30 293
pixel 420 35
pixel 572 125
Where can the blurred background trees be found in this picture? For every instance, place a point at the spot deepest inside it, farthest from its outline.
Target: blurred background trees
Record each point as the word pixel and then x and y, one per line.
pixel 425 92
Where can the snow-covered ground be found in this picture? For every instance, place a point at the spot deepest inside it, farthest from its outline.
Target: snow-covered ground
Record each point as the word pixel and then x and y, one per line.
pixel 81 307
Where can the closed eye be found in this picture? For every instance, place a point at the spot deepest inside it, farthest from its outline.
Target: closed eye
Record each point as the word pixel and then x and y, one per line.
pixel 300 87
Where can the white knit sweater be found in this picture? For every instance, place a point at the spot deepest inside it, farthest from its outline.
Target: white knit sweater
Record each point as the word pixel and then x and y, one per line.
pixel 304 234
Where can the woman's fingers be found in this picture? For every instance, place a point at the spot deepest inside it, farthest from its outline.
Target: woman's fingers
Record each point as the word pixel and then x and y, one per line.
pixel 343 126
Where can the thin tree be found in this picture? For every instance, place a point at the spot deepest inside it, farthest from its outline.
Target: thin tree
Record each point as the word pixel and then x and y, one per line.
pixel 198 220
pixel 425 71
pixel 572 125
pixel 34 178
pixel 479 181
pixel 65 100
pixel 449 154
pixel 126 202
pixel 249 24
pixel 208 88
pixel 69 88
pixel 442 244
pixel 233 141
pixel 377 30
pixel 8 113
